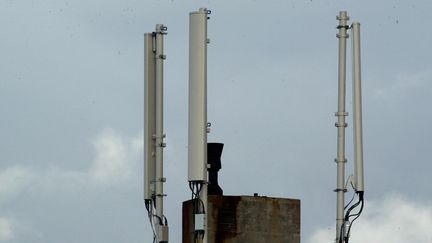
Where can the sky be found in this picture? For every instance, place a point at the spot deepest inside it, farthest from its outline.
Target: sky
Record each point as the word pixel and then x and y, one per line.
pixel 71 114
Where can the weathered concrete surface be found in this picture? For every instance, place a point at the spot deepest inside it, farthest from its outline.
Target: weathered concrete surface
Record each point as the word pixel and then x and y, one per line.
pixel 247 219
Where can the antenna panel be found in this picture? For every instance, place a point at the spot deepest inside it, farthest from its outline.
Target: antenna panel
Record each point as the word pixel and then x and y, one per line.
pixel 149 117
pixel 358 129
pixel 197 149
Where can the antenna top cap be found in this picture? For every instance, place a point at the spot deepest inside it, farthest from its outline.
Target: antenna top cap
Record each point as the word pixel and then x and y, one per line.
pixel 343 15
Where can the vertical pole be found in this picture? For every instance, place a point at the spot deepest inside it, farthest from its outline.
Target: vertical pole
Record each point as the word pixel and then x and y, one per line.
pixel 358 131
pixel 204 191
pixel 159 137
pixel 341 125
pixel 159 121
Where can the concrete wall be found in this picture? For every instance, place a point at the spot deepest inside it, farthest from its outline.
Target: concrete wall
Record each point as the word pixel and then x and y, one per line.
pixel 247 219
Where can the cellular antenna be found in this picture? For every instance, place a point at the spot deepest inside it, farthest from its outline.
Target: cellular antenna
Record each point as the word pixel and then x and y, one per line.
pixel 198 126
pixel 344 223
pixel 357 97
pixel 154 135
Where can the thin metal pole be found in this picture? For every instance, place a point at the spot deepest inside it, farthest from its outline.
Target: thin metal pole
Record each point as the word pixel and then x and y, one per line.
pixel 358 130
pixel 341 125
pixel 204 191
pixel 160 31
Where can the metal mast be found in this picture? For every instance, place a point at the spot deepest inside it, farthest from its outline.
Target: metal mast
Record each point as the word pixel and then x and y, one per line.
pixel 344 215
pixel 341 125
pixel 154 135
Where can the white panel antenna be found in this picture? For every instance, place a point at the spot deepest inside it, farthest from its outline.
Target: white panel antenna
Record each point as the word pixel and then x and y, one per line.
pixel 357 97
pixel 198 126
pixel 149 117
pixel 197 154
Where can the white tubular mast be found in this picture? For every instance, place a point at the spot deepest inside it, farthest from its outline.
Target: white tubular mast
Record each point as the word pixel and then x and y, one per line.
pixel 198 126
pixel 358 131
pixel 341 125
pixel 344 215
pixel 154 138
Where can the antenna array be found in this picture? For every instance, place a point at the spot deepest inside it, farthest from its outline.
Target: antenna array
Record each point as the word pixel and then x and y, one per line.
pixel 343 218
pixel 153 129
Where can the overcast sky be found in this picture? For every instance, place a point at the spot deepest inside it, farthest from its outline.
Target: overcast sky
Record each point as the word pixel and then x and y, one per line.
pixel 71 114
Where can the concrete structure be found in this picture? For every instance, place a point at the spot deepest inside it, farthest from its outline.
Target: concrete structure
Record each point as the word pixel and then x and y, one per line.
pixel 251 219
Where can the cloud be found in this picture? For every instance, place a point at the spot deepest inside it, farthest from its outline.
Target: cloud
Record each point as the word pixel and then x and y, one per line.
pixel 394 219
pixel 6 232
pixel 13 180
pixel 404 84
pixel 116 158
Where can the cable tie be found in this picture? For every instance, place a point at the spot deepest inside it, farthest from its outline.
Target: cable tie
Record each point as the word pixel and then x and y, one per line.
pixel 343 26
pixel 340 190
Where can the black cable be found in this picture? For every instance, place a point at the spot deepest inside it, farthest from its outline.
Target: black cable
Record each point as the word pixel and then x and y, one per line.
pixel 352 199
pixel 361 199
pixel 196 188
pixel 198 205
pixel 199 188
pixel 149 207
pixel 342 238
pixel 357 216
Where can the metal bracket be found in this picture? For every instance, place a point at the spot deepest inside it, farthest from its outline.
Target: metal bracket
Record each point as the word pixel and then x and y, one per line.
pixel 156 137
pixel 351 181
pixel 341 125
pixel 208 130
pixel 342 36
pixel 161 145
pixel 163 179
pixel 340 161
pixel 162 30
pixel 340 190
pixel 163 57
pixel 343 26
pixel 341 113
